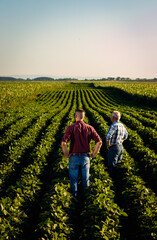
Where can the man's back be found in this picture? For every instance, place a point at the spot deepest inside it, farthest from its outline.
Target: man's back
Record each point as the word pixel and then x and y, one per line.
pixel 117 133
pixel 79 155
pixel 80 135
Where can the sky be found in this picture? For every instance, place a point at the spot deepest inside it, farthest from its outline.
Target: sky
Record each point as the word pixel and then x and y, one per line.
pixel 78 38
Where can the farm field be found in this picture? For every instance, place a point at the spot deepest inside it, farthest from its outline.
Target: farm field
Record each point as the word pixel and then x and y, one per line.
pixel 34 183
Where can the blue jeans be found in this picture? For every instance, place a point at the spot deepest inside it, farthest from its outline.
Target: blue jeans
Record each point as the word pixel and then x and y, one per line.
pixel 75 162
pixel 115 154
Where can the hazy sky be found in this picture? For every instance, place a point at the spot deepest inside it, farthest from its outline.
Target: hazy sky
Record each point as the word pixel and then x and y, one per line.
pixel 78 38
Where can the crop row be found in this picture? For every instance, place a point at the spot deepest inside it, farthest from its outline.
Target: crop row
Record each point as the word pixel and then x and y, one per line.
pixel 43 180
pixel 17 113
pixel 145 117
pixel 24 191
pixel 135 146
pixel 18 149
pixel 57 207
pixel 140 202
pixel 141 92
pixel 100 216
pixel 15 93
pixel 51 98
pixel 59 213
pixel 148 134
pixel 58 218
pixel 25 120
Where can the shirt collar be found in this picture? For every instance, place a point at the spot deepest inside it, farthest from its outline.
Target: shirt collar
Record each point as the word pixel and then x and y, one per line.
pixel 117 121
pixel 80 121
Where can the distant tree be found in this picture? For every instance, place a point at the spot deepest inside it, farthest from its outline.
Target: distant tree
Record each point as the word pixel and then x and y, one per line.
pixel 111 79
pixel 7 79
pixel 43 79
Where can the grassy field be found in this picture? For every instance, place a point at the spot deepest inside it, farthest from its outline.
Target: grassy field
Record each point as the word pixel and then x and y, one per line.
pixel 34 184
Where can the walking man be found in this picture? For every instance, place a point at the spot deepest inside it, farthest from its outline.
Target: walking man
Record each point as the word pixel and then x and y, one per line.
pixel 79 155
pixel 115 137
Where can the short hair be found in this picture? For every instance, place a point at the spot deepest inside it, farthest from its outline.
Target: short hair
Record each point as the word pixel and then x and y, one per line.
pixel 81 113
pixel 116 115
pixel 80 110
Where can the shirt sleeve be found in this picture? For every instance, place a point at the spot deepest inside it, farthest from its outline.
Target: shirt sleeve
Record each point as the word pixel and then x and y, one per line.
pixel 110 133
pixel 67 135
pixel 125 134
pixel 95 136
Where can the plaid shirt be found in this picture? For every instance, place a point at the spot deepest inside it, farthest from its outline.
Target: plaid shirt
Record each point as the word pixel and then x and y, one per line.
pixel 116 133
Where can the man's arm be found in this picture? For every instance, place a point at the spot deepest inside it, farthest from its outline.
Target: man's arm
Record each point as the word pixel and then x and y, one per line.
pixel 98 144
pixel 125 135
pixel 108 144
pixel 64 149
pixel 96 149
pixel 109 136
pixel 65 139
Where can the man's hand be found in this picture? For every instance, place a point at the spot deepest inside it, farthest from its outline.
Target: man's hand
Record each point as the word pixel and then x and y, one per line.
pixel 96 149
pixel 67 155
pixel 108 145
pixel 90 155
pixel 65 151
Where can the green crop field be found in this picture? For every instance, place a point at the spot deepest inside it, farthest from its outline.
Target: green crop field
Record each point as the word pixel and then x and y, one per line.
pixel 34 183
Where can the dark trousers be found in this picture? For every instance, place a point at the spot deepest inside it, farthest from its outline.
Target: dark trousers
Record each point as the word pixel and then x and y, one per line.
pixel 115 154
